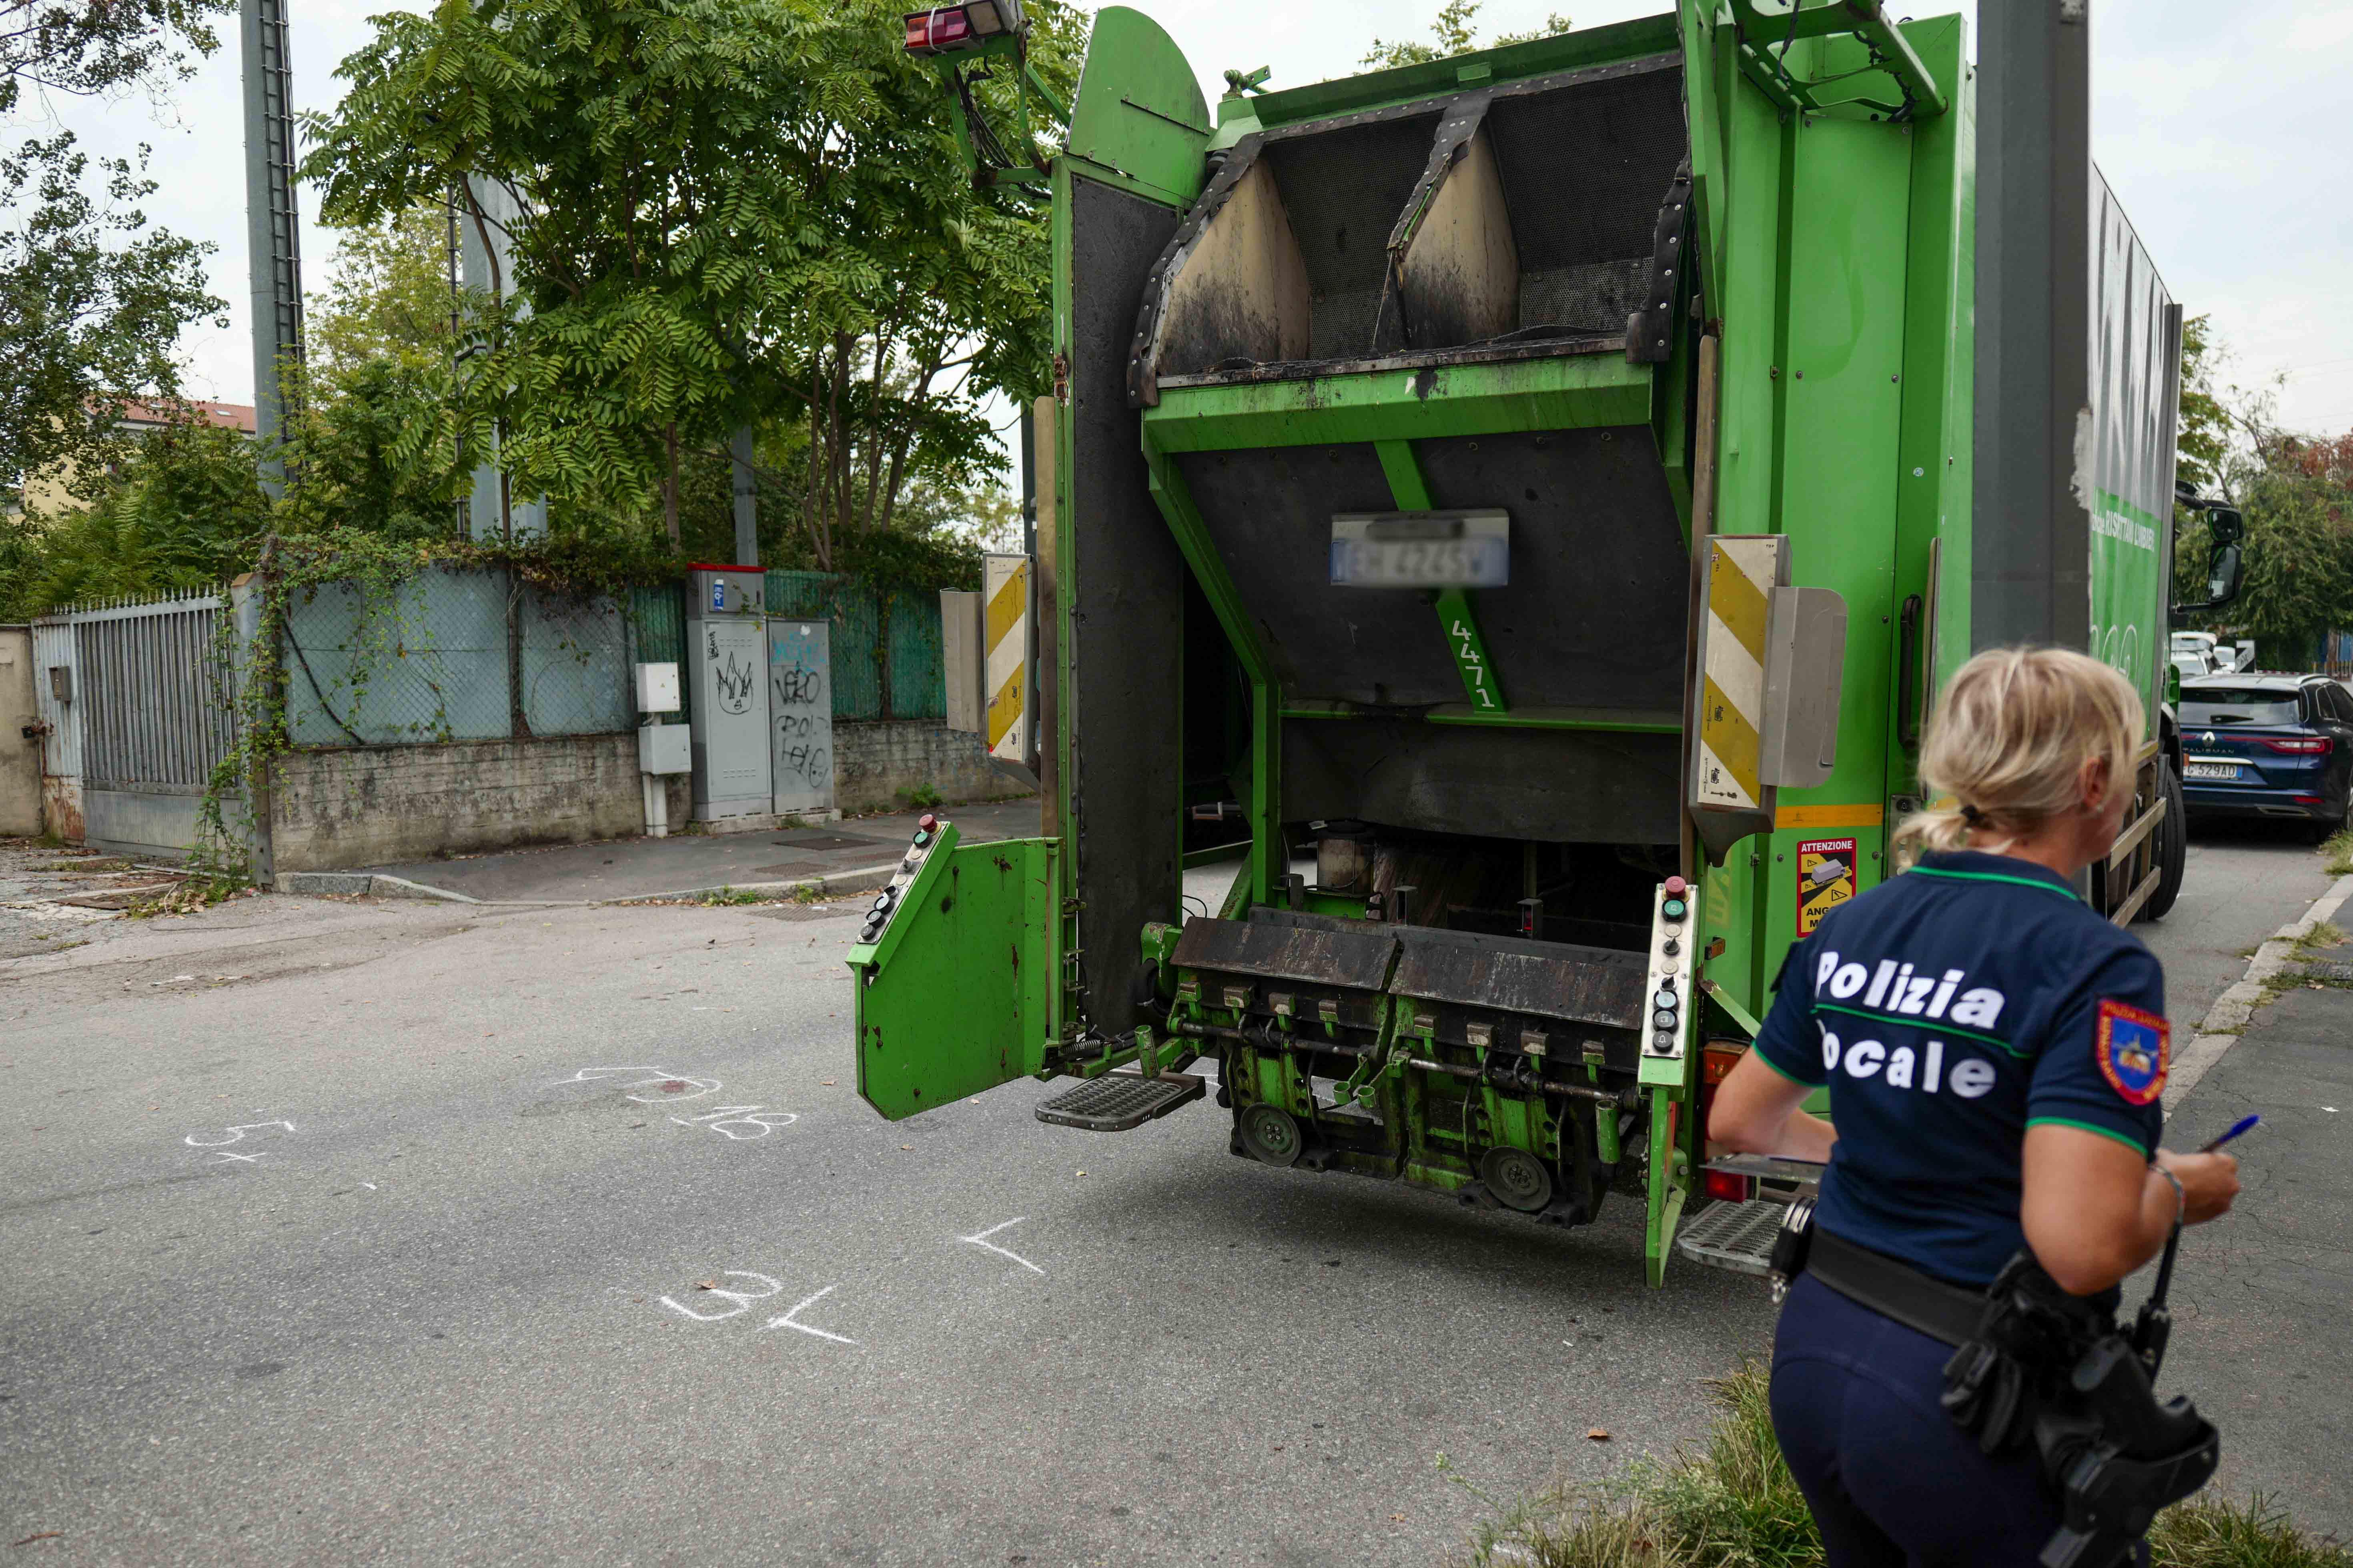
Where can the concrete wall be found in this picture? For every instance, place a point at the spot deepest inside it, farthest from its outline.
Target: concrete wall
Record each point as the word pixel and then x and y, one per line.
pixel 874 762
pixel 20 756
pixel 156 824
pixel 373 805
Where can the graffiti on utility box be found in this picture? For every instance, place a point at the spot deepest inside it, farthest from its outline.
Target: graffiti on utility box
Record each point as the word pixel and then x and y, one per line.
pixel 800 715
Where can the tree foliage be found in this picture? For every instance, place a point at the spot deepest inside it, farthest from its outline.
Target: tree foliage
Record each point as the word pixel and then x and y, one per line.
pixel 2202 428
pixel 2295 492
pixel 92 305
pixel 1455 31
pixel 184 509
pixel 733 211
pixel 89 48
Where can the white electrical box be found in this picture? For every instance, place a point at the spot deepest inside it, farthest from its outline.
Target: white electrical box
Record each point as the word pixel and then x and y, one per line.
pixel 657 689
pixel 727 660
pixel 665 748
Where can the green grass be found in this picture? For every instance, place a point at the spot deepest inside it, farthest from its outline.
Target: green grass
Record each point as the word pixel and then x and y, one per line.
pixel 715 897
pixel 922 798
pixel 1734 1504
pixel 2338 849
pixel 2323 934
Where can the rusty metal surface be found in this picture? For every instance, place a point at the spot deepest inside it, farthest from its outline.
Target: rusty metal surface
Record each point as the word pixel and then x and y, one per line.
pixel 1355 960
pixel 1547 980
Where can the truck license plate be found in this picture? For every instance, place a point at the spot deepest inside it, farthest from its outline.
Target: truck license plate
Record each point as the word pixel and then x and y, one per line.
pixel 1421 550
pixel 2209 771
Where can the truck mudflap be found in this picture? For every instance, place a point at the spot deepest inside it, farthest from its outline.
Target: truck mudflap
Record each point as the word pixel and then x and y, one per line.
pixel 954 971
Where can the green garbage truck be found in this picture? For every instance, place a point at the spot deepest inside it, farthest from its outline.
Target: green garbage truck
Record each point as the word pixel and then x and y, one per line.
pixel 1534 488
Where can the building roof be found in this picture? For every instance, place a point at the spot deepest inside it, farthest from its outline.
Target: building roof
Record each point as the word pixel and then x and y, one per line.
pixel 140 413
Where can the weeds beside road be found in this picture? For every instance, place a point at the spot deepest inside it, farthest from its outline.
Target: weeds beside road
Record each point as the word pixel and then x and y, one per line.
pixel 1734 1504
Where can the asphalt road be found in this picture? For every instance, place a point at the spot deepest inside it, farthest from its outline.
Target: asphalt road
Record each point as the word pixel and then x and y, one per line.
pixel 411 1233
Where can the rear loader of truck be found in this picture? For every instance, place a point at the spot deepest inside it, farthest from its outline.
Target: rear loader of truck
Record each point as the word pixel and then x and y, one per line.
pixel 1535 486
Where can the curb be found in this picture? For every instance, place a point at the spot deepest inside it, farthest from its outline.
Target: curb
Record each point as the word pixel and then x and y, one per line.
pixel 2229 1017
pixel 346 884
pixel 831 882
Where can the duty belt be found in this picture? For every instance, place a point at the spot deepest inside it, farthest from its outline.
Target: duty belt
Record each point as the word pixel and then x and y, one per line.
pixel 1894 1289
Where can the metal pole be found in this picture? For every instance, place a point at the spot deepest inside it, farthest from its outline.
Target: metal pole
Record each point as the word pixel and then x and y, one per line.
pixel 747 498
pixel 2031 551
pixel 273 238
pixel 487 265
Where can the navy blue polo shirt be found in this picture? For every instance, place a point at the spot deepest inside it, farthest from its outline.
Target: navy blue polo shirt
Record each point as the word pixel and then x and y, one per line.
pixel 1949 1009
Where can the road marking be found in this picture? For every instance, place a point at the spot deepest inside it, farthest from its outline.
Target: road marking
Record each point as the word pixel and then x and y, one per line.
pixel 982 1241
pixel 788 1320
pixel 248 1159
pixel 235 1134
pixel 762 1123
pixel 742 1300
pixel 661 1076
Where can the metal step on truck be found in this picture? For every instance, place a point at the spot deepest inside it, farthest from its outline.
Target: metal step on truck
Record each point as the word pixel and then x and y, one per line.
pixel 1532 487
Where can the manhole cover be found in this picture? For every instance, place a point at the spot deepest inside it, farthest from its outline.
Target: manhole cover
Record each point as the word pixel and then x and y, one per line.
pixel 2330 969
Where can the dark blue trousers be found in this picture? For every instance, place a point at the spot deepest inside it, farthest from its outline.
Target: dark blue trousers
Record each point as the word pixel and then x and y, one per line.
pixel 1891 1481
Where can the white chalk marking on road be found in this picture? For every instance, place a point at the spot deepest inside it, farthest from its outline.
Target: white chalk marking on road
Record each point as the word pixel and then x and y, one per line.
pixel 742 1299
pixel 788 1320
pixel 248 1159
pixel 659 1076
pixel 762 1123
pixel 369 1185
pixel 235 1134
pixel 2234 1009
pixel 982 1241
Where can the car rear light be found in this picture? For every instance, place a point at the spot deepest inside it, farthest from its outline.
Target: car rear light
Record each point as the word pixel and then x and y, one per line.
pixel 2309 800
pixel 2302 746
pixel 1729 1188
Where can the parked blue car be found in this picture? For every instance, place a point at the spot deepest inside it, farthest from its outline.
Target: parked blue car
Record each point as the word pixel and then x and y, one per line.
pixel 2267 745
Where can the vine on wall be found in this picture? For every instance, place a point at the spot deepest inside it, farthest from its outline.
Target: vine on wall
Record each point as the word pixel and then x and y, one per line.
pixel 251 674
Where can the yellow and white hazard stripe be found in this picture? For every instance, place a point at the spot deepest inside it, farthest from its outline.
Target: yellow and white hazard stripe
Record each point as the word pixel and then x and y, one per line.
pixel 1005 642
pixel 1742 573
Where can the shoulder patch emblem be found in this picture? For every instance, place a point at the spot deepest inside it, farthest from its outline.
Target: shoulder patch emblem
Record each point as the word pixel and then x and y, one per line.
pixel 2135 1049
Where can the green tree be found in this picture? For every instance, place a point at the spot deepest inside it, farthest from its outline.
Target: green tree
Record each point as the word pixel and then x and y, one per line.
pixel 89 47
pixel 184 509
pixel 733 211
pixel 91 304
pixel 2203 429
pixel 1455 31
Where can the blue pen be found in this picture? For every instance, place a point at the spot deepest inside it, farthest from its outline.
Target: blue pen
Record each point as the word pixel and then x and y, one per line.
pixel 2244 1124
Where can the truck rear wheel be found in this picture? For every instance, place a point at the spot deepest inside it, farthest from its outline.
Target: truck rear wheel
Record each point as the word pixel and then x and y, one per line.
pixel 2172 844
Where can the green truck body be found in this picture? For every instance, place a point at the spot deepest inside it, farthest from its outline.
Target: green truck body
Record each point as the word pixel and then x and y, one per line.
pixel 1675 315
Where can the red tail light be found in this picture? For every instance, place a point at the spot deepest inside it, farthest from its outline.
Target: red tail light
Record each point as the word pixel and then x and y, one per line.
pixel 1729 1188
pixel 940 28
pixel 2307 746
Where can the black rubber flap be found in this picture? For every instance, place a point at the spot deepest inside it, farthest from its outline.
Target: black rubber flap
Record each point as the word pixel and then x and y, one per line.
pixel 1125 591
pixel 1547 980
pixel 1355 960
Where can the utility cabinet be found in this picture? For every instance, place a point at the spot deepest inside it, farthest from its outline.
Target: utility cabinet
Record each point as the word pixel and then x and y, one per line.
pixel 727 659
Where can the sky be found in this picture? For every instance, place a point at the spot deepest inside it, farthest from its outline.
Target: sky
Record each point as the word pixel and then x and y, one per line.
pixel 2223 131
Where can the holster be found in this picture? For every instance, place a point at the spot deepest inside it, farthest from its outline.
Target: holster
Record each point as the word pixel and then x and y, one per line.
pixel 2051 1366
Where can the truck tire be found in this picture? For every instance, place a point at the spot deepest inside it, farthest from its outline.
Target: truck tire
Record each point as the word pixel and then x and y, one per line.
pixel 2172 845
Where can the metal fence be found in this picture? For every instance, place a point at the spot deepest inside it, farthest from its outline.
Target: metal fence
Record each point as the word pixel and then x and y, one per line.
pixel 454 655
pixel 887 660
pixel 151 692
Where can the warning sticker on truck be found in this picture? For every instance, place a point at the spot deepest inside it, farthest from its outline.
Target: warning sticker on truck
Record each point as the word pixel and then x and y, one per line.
pixel 1825 878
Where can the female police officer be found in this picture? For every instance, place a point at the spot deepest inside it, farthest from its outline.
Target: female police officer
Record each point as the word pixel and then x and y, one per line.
pixel 1994 1051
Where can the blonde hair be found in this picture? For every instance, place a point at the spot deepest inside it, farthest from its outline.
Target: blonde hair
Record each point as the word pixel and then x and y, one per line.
pixel 2007 744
